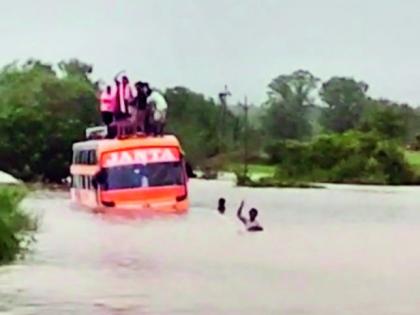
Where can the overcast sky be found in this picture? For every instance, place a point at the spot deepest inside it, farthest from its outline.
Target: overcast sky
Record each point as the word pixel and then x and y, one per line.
pixel 203 44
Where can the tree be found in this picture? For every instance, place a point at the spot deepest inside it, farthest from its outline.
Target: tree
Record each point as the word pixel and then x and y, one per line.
pixel 195 120
pixel 289 99
pixel 385 118
pixel 345 98
pixel 76 68
pixel 41 115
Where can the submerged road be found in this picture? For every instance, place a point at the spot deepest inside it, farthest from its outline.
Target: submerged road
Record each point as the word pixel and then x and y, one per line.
pixel 342 250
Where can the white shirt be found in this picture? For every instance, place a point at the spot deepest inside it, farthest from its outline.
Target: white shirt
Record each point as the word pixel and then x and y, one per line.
pixel 252 226
pixel 158 100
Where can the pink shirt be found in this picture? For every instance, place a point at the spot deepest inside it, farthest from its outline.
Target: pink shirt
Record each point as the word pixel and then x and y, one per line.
pixel 108 102
pixel 128 93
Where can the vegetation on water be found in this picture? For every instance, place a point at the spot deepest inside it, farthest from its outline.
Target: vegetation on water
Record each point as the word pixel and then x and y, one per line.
pixel 306 130
pixel 16 226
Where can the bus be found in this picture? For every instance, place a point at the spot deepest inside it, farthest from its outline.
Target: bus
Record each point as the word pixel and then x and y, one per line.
pixel 132 174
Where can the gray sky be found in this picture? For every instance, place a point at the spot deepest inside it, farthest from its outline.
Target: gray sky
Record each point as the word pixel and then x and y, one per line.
pixel 204 44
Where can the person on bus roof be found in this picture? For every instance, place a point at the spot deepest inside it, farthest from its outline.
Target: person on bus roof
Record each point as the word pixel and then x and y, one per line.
pixel 159 107
pixel 140 105
pixel 251 224
pixel 124 96
pixel 107 100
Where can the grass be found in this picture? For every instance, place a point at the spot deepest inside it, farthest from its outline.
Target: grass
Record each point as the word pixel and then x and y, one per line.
pixel 261 175
pixel 261 170
pixel 272 182
pixel 255 170
pixel 413 158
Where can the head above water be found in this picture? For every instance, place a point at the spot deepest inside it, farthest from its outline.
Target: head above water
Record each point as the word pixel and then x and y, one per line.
pixel 125 80
pixel 253 213
pixel 108 89
pixel 221 205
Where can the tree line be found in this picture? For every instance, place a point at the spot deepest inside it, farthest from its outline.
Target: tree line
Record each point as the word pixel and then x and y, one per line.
pixel 45 108
pixel 300 106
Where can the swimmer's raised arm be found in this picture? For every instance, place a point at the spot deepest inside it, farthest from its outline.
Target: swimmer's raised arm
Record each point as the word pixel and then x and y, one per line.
pixel 239 213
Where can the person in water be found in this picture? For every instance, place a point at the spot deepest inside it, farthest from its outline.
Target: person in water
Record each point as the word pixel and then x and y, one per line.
pixel 251 224
pixel 221 206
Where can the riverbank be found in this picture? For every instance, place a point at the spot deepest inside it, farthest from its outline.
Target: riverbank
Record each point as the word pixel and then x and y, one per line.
pixel 263 175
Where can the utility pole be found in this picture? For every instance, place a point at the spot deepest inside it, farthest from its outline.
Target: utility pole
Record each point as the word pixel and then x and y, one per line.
pixel 223 101
pixel 245 107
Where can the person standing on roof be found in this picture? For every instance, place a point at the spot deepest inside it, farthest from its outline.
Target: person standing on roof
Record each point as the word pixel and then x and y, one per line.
pixel 159 108
pixel 140 105
pixel 107 100
pixel 124 96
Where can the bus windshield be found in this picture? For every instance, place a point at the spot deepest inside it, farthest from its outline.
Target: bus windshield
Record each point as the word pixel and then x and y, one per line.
pixel 143 176
pixel 142 168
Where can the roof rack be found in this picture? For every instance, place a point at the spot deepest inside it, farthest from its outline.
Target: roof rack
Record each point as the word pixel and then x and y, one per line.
pixel 98 132
pixel 118 129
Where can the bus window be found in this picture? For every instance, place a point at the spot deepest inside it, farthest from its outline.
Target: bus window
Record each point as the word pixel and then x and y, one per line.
pixel 79 157
pixel 85 157
pixel 92 157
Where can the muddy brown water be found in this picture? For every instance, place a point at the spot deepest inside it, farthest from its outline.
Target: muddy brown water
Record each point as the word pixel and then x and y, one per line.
pixel 340 250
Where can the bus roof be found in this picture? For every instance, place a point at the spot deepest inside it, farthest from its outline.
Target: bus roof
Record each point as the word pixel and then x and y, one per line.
pixel 139 141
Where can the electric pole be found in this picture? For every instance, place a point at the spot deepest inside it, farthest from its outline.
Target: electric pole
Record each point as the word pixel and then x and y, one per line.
pixel 223 101
pixel 245 107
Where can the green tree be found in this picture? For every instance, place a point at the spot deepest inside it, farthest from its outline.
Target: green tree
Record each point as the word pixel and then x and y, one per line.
pixel 76 68
pixel 289 98
pixel 345 99
pixel 195 119
pixel 41 115
pixel 385 118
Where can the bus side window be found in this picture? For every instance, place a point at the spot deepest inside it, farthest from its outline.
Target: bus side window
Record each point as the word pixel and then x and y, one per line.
pixel 79 157
pixel 83 157
pixel 85 186
pixel 92 157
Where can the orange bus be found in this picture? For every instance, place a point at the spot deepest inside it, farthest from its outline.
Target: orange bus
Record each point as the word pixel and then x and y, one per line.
pixel 135 174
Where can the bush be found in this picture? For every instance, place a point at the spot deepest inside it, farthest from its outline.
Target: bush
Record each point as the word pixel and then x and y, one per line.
pixel 393 164
pixel 15 225
pixel 352 157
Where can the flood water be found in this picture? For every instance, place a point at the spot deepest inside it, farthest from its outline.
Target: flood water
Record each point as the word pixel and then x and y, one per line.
pixel 341 250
